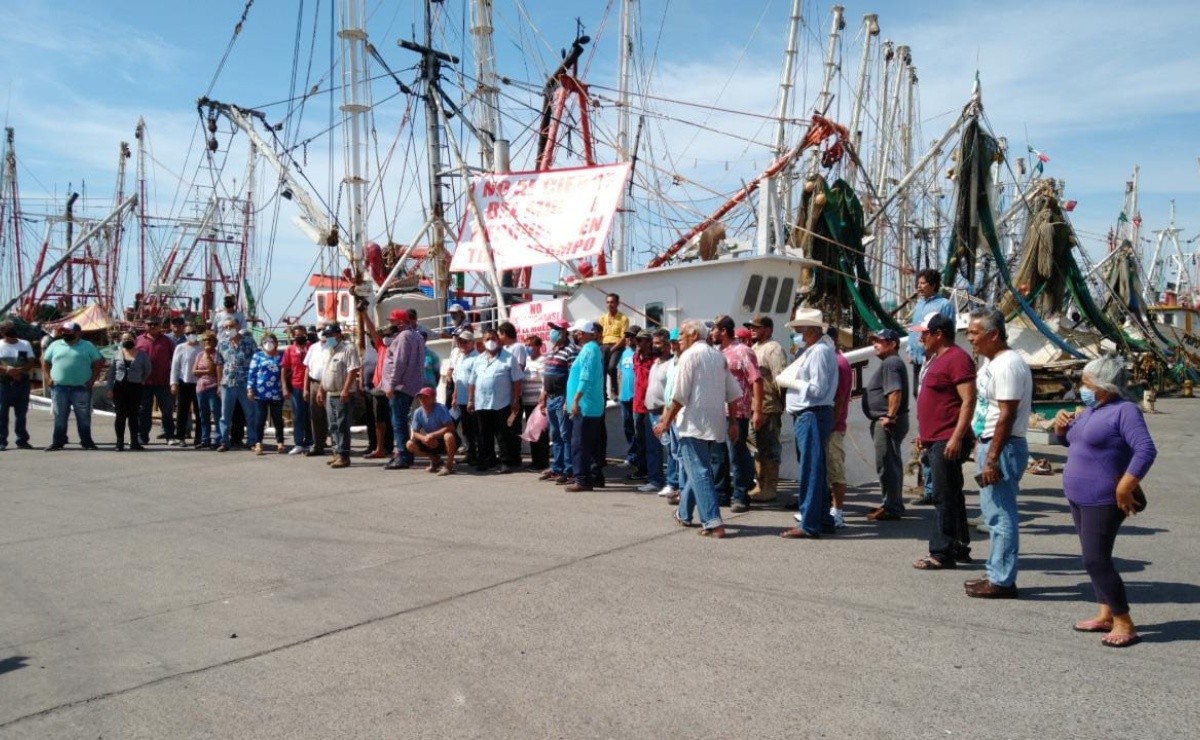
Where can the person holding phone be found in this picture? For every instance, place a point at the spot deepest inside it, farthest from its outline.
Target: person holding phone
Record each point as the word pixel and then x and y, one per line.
pixel 16 360
pixel 1004 400
pixel 1109 453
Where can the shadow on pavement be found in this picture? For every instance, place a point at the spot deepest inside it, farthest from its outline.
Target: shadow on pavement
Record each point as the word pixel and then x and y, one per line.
pixel 1183 630
pixel 15 663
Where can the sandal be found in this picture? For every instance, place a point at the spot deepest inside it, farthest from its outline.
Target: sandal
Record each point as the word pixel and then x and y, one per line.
pixel 1040 466
pixel 929 562
pixel 1124 640
pixel 1093 625
pixel 680 522
pixel 448 470
pixel 374 455
pixel 716 532
pixel 796 533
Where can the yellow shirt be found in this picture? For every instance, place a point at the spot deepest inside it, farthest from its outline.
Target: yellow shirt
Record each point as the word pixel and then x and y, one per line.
pixel 612 328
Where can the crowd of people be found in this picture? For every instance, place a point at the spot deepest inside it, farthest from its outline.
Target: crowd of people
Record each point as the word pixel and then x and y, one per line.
pixel 702 410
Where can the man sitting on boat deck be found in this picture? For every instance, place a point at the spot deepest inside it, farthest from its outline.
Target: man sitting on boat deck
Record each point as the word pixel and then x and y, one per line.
pixel 613 326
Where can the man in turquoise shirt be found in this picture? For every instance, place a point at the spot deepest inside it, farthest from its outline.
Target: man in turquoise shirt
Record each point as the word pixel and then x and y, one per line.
pixel 73 364
pixel 585 403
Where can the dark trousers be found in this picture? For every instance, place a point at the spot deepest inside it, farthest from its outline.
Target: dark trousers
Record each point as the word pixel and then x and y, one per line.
pixel 127 401
pixel 587 448
pixel 539 450
pixel 629 427
pixel 889 465
pixel 468 426
pixel 612 357
pixel 492 427
pixel 160 394
pixel 741 463
pixel 187 409
pixel 318 417
pixel 511 441
pixel 639 444
pixel 275 409
pixel 1097 529
pixel 951 537
pixel 14 395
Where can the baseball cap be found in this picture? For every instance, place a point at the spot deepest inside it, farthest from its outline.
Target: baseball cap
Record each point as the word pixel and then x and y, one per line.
pixel 426 392
pixel 633 330
pixel 742 333
pixel 69 326
pixel 466 335
pixel 935 322
pixel 176 320
pixel 760 321
pixel 455 308
pixel 397 315
pixel 584 325
pixel 332 329
pixel 643 334
pixel 724 323
pixel 560 325
pixel 887 335
pixel 675 334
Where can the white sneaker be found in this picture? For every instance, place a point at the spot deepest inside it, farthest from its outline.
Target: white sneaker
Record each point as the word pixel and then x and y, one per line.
pixel 798 517
pixel 297 450
pixel 647 488
pixel 839 520
pixel 667 491
pixel 612 404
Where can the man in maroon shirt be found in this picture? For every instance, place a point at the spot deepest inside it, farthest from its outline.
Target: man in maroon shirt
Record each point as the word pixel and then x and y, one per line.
pixel 945 403
pixel 160 349
pixel 649 448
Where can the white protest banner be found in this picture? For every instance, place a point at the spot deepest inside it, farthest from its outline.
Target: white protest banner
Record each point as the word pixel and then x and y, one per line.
pixel 534 218
pixel 532 318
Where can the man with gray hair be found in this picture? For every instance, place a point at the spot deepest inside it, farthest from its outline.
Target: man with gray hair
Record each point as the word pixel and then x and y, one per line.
pixel 1004 400
pixel 811 382
pixel 703 407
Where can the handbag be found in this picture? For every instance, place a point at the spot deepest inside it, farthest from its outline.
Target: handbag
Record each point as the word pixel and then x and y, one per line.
pixel 1139 499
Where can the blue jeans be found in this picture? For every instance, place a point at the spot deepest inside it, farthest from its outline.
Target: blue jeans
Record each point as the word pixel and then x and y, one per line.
pixel 999 504
pixel 210 414
pixel 654 452
pixel 160 394
pixel 235 395
pixel 741 463
pixel 14 395
pixel 630 430
pixel 674 465
pixel 926 474
pixel 812 428
pixel 400 404
pixel 339 422
pixel 560 435
pixel 699 491
pixel 64 399
pixel 301 427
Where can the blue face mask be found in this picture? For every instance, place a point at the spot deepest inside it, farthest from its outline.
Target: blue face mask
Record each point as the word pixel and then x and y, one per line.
pixel 1088 396
pixel 331 342
pixel 555 336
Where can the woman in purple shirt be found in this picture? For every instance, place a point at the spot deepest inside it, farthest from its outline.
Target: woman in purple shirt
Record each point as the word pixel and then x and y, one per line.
pixel 1110 452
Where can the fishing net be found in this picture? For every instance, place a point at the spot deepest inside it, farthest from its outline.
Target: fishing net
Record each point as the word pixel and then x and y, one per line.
pixel 1046 247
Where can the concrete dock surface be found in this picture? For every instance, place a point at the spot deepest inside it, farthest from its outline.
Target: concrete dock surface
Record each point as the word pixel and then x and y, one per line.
pixel 175 593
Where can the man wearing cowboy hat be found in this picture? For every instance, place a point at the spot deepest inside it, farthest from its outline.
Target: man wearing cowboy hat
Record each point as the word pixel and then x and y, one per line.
pixel 811 383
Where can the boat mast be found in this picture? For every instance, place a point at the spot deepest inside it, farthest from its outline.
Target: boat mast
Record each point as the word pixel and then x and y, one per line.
pixel 486 90
pixel 870 33
pixel 112 264
pixel 431 68
pixel 771 201
pixel 140 134
pixel 355 109
pixel 906 201
pixel 8 195
pixel 825 98
pixel 620 255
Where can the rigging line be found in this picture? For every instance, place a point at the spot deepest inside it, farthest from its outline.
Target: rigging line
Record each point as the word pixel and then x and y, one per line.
pixel 237 30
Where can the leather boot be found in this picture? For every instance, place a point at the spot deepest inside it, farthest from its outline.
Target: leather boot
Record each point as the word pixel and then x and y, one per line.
pixel 768 483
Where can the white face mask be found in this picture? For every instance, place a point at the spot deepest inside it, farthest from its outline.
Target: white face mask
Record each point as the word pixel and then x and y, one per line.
pixel 269 346
pixel 491 345
pixel 387 341
pixel 191 338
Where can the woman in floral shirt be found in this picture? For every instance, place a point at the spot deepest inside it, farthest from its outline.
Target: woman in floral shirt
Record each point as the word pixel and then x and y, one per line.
pixel 263 386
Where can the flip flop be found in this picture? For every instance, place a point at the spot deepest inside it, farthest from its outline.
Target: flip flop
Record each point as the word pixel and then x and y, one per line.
pixel 680 522
pixel 1093 625
pixel 1120 641
pixel 796 533
pixel 929 562
pixel 716 533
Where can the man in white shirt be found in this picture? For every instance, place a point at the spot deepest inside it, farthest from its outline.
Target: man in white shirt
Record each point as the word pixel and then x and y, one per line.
pixel 703 409
pixel 183 388
pixel 1003 402
pixel 811 383
pixel 314 361
pixel 16 362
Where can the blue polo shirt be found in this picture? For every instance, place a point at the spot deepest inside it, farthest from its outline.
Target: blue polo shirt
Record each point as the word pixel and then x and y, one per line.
pixel 493 378
pixel 587 373
pixel 936 304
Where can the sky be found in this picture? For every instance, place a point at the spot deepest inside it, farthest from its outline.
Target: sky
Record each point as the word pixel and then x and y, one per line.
pixel 1098 86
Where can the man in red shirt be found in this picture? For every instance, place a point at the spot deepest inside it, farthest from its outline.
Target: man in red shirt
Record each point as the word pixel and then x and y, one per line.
pixel 649 450
pixel 160 349
pixel 743 365
pixel 945 404
pixel 293 377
